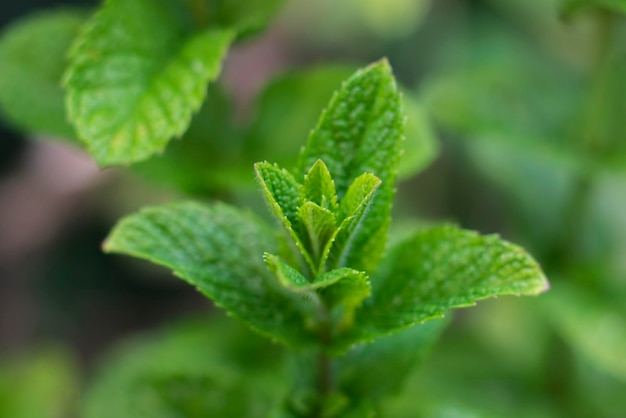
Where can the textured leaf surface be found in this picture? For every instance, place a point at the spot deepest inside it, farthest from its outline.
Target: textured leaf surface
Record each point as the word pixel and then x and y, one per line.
pixel 133 84
pixel 352 210
pixel 282 194
pixel 208 158
pixel 281 191
pixel 219 250
pixel 439 269
pixel 300 95
pixel 194 369
pixel 317 228
pixel 319 187
pixel 32 60
pixel 362 131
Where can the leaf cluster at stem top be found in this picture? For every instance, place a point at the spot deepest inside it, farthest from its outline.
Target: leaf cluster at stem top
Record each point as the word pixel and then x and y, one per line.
pixel 328 286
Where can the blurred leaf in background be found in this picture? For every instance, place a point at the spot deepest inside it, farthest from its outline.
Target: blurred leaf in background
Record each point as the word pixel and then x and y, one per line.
pixel 40 383
pixel 32 61
pixel 195 368
pixel 328 21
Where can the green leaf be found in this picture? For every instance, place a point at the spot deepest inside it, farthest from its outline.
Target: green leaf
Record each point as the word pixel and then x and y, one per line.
pixel 341 290
pixel 317 227
pixel 208 158
pixel 300 95
pixel 439 269
pixel 191 369
pixel 218 249
pixel 133 84
pixel 362 131
pixel 352 210
pixel 32 61
pixel 286 275
pixel 319 187
pixel 372 372
pixel 282 193
pixel 287 109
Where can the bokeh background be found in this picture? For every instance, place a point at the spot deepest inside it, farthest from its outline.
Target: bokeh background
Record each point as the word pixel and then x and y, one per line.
pixel 522 103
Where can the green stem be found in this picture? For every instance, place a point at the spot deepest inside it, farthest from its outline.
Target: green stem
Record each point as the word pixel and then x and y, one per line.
pixel 325 380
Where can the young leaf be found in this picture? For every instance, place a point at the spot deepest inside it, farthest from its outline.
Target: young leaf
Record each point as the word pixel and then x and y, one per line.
pixel 352 210
pixel 134 83
pixel 439 269
pixel 362 131
pixel 317 227
pixel 32 60
pixel 282 193
pixel 286 275
pixel 218 249
pixel 319 187
pixel 341 290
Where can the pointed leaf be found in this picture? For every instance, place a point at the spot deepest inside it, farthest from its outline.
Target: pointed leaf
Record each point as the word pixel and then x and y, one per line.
pixel 286 275
pixel 301 94
pixel 439 269
pixel 134 83
pixel 358 195
pixel 352 210
pixel 32 59
pixel 282 193
pixel 319 187
pixel 218 249
pixel 362 131
pixel 317 227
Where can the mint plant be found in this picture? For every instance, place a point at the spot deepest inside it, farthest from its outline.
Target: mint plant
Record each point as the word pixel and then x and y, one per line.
pixel 324 282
